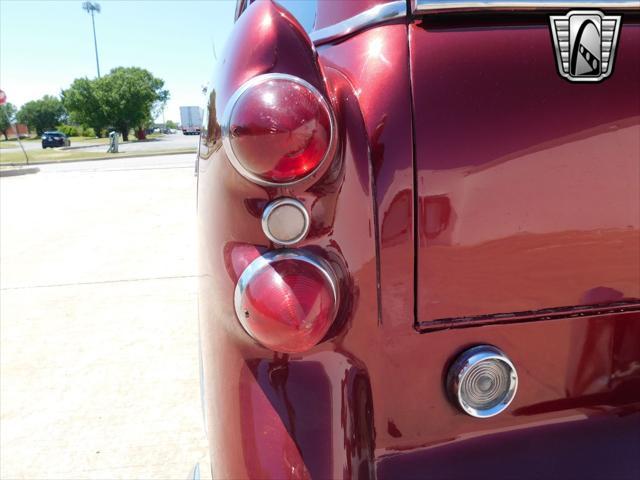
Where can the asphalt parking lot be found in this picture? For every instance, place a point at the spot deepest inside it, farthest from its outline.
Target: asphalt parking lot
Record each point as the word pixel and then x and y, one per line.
pixel 164 142
pixel 98 321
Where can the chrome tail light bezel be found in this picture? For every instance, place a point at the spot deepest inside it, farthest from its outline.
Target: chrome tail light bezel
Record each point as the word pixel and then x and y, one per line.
pixel 273 256
pixel 225 127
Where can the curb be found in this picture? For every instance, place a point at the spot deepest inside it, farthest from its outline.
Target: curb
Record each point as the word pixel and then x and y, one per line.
pixel 123 155
pixel 18 171
pixel 96 145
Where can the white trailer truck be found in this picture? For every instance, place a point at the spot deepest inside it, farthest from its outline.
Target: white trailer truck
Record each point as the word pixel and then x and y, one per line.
pixel 190 120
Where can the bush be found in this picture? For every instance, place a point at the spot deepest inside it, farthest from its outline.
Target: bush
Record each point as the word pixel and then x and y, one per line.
pixel 89 132
pixel 68 130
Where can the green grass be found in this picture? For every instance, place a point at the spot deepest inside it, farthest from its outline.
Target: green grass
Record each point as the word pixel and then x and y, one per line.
pixel 75 141
pixel 91 140
pixel 14 143
pixel 36 138
pixel 53 156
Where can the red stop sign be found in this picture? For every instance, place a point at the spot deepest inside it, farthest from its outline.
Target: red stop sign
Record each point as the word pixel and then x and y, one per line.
pixel 3 97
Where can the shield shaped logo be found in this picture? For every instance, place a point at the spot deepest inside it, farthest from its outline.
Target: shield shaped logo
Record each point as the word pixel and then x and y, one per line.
pixel 585 43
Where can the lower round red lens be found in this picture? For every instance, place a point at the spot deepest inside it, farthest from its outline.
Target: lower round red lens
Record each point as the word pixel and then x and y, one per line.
pixel 287 305
pixel 279 130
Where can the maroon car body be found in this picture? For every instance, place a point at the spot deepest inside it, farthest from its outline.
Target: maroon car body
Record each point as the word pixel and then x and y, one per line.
pixel 474 197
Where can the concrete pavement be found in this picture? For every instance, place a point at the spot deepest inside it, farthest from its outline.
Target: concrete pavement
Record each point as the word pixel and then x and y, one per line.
pixel 159 162
pixel 98 321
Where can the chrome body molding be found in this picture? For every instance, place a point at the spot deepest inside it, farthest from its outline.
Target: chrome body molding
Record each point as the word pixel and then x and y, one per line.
pixel 435 6
pixel 273 256
pixel 369 18
pixel 225 126
pixel 393 10
pixel 272 206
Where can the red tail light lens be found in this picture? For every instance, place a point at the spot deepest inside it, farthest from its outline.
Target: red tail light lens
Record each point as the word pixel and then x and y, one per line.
pixel 287 300
pixel 277 129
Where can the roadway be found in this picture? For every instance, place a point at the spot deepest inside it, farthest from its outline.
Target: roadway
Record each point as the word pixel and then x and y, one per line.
pixel 164 142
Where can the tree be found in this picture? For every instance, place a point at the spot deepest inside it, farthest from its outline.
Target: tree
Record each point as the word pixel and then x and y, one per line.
pixel 7 115
pixel 129 96
pixel 42 114
pixel 82 102
pixel 171 124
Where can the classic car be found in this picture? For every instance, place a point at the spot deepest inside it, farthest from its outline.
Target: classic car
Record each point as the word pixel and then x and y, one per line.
pixel 419 227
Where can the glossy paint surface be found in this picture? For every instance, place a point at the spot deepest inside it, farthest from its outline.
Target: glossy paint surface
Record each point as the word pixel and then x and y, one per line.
pixel 528 184
pixel 328 13
pixel 369 400
pixel 376 64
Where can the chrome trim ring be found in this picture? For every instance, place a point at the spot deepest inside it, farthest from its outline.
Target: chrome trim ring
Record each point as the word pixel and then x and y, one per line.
pixel 434 6
pixel 464 364
pixel 226 120
pixel 273 256
pixel 369 18
pixel 272 206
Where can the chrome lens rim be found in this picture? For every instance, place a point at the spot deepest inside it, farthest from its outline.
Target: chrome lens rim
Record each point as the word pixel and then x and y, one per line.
pixel 225 127
pixel 468 363
pixel 273 256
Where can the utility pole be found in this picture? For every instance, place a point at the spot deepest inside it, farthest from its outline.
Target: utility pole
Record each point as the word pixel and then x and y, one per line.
pixel 92 7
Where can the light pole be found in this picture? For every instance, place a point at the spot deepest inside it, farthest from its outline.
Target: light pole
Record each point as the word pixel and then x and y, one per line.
pixel 91 7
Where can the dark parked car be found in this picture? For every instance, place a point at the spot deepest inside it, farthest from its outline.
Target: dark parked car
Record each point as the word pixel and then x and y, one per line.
pixel 420 241
pixel 55 139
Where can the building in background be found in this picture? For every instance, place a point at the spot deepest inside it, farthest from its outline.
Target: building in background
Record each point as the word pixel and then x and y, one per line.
pixel 23 131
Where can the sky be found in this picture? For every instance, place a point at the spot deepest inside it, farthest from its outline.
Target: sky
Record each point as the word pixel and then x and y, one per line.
pixel 45 45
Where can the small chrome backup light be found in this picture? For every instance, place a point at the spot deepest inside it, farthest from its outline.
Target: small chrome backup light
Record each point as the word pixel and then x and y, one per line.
pixel 483 381
pixel 285 221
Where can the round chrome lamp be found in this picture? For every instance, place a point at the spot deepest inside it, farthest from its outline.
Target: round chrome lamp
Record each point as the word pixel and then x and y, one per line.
pixel 482 381
pixel 285 221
